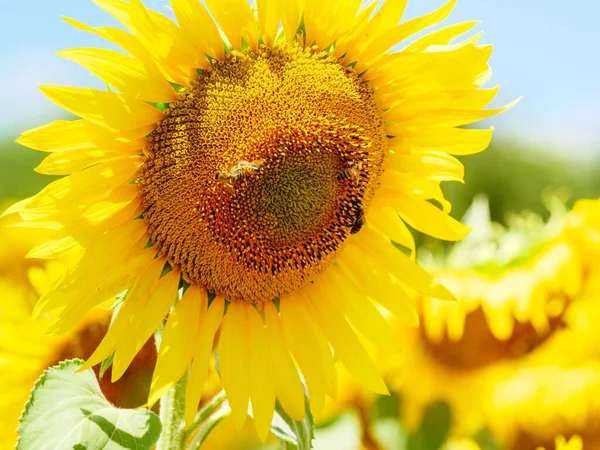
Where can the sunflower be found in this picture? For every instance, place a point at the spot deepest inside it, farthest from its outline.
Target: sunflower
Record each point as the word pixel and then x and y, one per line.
pixel 518 352
pixel 563 375
pixel 513 286
pixel 259 161
pixel 560 443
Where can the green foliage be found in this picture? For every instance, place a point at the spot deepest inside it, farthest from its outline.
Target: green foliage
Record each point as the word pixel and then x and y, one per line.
pixel 386 406
pixel 17 178
pixel 294 434
pixel 513 177
pixel 434 428
pixel 486 440
pixel 106 365
pixel 67 410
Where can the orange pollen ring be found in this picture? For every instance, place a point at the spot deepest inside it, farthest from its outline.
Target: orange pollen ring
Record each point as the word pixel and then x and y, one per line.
pixel 261 170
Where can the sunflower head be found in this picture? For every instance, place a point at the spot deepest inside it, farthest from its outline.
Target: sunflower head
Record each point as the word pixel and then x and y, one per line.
pixel 246 175
pixel 257 204
pixel 513 284
pixel 517 287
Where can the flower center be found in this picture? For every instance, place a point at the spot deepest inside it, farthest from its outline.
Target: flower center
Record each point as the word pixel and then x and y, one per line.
pixel 261 170
pixel 479 348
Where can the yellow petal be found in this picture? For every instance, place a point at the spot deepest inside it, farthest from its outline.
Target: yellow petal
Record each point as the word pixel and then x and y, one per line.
pixel 193 17
pixel 335 287
pixel 318 24
pixel 124 73
pixel 128 42
pixel 86 186
pixel 385 19
pixel 433 99
pixel 394 184
pixel 54 248
pixel 379 285
pixel 118 331
pixel 388 17
pixel 290 18
pixel 178 344
pixel 393 36
pixel 155 304
pixel 387 222
pixel 113 111
pixel 428 219
pixel 262 389
pixel 346 344
pixel 159 35
pixel 397 263
pixel 236 19
pixel 348 44
pixel 301 337
pixel 442 36
pixel 454 141
pixel 99 268
pixel 445 118
pixel 65 135
pixel 432 165
pixel 64 163
pixel 233 361
pixel 410 74
pixel 199 371
pixel 287 382
pixel 269 14
pixel 107 288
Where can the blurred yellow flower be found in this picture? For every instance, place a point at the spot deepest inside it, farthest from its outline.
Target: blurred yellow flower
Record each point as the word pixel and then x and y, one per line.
pixel 461 444
pixel 247 168
pixel 554 389
pixel 15 243
pixel 560 443
pixel 574 443
pixel 516 351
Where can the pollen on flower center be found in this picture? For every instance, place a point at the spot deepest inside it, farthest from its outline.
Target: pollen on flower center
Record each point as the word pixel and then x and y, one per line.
pixel 261 170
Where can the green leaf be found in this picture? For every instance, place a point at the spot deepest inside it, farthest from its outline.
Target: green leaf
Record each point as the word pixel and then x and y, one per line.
pixel 344 432
pixel 106 363
pixel 434 428
pixel 388 432
pixel 293 434
pixel 386 406
pixel 67 410
pixel 486 440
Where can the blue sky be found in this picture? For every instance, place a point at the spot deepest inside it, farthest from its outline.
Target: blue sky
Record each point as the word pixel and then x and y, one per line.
pixel 545 50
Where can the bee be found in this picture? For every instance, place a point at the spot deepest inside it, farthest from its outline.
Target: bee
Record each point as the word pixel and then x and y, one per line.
pixel 359 220
pixel 241 170
pixel 353 171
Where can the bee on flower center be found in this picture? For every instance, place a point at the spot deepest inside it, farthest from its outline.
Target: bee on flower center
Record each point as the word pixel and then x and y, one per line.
pixel 238 172
pixel 359 220
pixel 352 172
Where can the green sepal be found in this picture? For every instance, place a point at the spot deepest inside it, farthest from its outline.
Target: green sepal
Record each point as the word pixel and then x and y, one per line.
pixel 106 363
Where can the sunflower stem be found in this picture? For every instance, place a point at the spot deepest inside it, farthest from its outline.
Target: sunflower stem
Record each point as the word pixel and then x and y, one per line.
pixel 207 419
pixel 172 417
pixel 215 403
